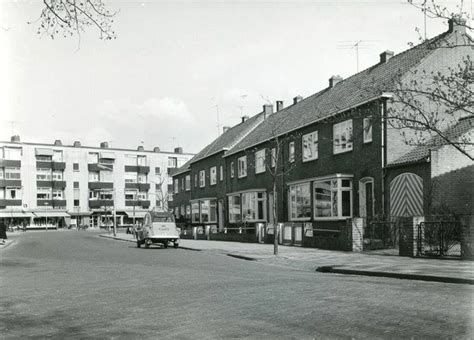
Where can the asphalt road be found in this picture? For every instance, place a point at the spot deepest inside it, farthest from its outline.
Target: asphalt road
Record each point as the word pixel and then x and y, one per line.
pixel 74 284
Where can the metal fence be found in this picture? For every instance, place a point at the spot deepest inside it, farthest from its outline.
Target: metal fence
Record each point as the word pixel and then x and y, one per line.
pixel 439 238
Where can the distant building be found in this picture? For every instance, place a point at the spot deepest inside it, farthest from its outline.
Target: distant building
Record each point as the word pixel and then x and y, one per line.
pixel 51 184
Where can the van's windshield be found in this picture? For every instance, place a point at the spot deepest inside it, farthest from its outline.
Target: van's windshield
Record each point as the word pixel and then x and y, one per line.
pixel 163 219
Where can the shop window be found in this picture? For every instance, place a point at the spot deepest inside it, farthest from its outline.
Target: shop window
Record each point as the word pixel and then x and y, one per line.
pixel 333 198
pixel 253 206
pixel 234 208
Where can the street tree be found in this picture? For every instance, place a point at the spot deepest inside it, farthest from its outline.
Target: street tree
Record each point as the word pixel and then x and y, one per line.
pixel 72 17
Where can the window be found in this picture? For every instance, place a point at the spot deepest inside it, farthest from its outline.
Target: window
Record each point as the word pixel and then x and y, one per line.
pixel 141 178
pixel 76 196
pixel 43 193
pixel 58 194
pixel 130 177
pixel 342 137
pixel 232 171
pixel 57 175
pixel 76 202
pixel 76 185
pixel 260 161
pixel 12 173
pixel 254 206
pixel 205 211
pixel 57 156
pixel 106 176
pixel 299 202
pixel 93 195
pixel 202 178
pixel 130 195
pixel 221 173
pixel 141 160
pixel 142 195
pixel 170 180
pixel 176 186
pixel 157 170
pixel 291 152
pixel 75 167
pixel 188 211
pixel 310 146
pixel 213 175
pixel 234 208
pixel 43 174
pixel 274 157
pixel 188 183
pixel 130 160
pixel 195 212
pixel 172 162
pixel 93 176
pixel 43 158
pixel 333 198
pixel 368 130
pixel 93 157
pixel 12 153
pixel 242 166
pixel 106 195
pixel 195 180
pixel 1 172
pixel 182 184
pixel 13 193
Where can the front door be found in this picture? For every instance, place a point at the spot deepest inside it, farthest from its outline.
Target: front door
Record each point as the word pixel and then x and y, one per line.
pixel 366 197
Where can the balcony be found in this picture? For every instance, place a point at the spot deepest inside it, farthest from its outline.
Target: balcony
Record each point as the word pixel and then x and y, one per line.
pixel 51 203
pixel 10 183
pixel 10 163
pixel 9 203
pixel 141 169
pixel 140 204
pixel 51 184
pixel 96 167
pixel 101 185
pixel 139 186
pixel 50 165
pixel 97 204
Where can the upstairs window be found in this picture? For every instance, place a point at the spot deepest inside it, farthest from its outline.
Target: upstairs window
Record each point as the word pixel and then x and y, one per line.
pixel 43 174
pixel 13 193
pixel 141 160
pixel 93 158
pixel 202 178
pixel 274 155
pixel 57 156
pixel 93 176
pixel 12 173
pixel 242 166
pixel 172 162
pixel 221 171
pixel 57 175
pixel 130 160
pixel 195 180
pixel 291 152
pixel 130 177
pixel 232 171
pixel 368 130
pixel 75 167
pixel 176 186
pixel 188 182
pixel 310 146
pixel 43 193
pixel 12 153
pixel 260 161
pixel 213 175
pixel 342 137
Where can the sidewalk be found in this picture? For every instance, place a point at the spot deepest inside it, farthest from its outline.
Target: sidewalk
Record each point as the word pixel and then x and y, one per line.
pixel 451 271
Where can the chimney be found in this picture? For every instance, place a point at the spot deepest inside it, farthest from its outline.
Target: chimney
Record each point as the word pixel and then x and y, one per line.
pixel 140 148
pixel 297 99
pixel 104 145
pixel 58 142
pixel 15 139
pixel 244 118
pixel 457 24
pixel 267 110
pixel 385 56
pixel 156 149
pixel 178 150
pixel 77 144
pixel 279 105
pixel 225 129
pixel 334 80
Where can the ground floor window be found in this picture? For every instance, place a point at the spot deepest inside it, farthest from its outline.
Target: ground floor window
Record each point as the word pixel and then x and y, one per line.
pixel 206 211
pixel 248 207
pixel 195 212
pixel 299 201
pixel 333 198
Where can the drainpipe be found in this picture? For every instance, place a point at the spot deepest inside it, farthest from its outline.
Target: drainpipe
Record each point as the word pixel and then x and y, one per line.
pixel 383 126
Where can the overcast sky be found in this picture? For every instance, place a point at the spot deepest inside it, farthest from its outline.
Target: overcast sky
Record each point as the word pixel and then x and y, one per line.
pixel 159 82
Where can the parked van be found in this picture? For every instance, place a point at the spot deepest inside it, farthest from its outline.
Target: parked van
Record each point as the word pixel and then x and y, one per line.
pixel 158 227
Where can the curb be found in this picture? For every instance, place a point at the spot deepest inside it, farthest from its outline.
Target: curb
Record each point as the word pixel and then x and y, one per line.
pixel 6 245
pixel 242 257
pixel 403 276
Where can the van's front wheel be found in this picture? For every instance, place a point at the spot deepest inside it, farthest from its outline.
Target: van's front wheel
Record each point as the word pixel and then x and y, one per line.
pixel 165 244
pixel 175 244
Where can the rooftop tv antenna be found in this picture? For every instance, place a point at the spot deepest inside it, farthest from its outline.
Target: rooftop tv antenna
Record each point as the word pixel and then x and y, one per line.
pixel 355 45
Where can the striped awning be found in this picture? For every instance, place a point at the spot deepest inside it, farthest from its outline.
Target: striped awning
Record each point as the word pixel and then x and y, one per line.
pixel 138 214
pixel 107 155
pixel 51 214
pixel 43 152
pixel 10 214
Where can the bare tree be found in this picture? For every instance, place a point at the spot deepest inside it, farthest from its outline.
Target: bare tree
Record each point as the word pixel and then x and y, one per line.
pixel 163 196
pixel 68 17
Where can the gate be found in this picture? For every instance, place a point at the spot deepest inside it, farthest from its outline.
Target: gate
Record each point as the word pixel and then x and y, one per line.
pixel 439 238
pixel 381 235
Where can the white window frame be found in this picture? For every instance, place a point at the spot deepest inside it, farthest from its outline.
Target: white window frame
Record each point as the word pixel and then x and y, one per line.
pixel 202 178
pixel 342 131
pixel 235 209
pixel 188 183
pixel 291 152
pixel 44 191
pixel 294 199
pixel 367 128
pixel 232 169
pixel 260 161
pixel 213 175
pixel 242 167
pixel 18 193
pixel 309 146
pixel 221 173
pixel 9 171
pixel 335 184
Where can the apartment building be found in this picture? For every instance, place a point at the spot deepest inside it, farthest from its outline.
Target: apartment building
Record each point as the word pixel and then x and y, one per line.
pixel 57 185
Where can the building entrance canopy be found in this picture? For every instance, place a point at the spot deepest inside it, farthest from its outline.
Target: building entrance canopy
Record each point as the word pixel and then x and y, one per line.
pixel 7 214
